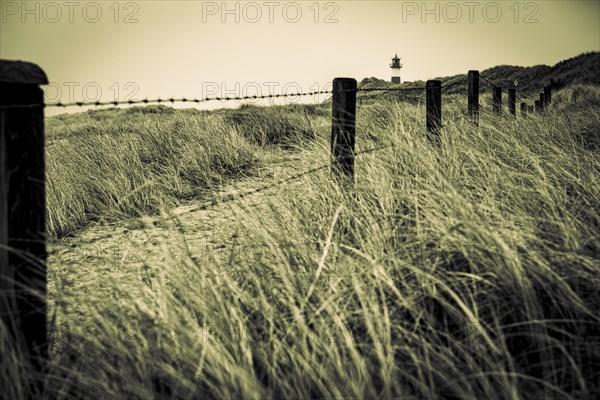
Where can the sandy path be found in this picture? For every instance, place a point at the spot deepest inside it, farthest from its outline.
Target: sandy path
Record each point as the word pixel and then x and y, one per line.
pixel 83 269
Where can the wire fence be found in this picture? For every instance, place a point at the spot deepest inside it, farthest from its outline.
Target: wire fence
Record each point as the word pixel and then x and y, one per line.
pixel 295 177
pixel 409 89
pixel 503 90
pixel 238 196
pixel 454 84
pixel 173 100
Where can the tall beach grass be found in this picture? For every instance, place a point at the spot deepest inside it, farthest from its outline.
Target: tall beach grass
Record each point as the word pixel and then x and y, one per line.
pixel 463 268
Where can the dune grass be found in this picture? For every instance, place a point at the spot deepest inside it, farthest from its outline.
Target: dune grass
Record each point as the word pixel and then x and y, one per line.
pixel 110 164
pixel 467 268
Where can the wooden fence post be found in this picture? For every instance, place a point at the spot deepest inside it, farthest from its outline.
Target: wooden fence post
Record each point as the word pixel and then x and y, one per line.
pixel 433 91
pixel 547 95
pixel 473 94
pixel 22 209
pixel 497 100
pixel 524 109
pixel 343 127
pixel 542 104
pixel 512 101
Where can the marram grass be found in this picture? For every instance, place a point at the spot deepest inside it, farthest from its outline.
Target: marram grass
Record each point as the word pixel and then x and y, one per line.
pixel 467 268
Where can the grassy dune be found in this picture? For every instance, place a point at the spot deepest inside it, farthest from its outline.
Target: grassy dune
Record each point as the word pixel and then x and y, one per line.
pixel 107 164
pixel 464 269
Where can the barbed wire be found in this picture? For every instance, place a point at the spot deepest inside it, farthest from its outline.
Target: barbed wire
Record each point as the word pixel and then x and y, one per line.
pixel 239 196
pixel 171 100
pixel 505 91
pixel 459 82
pixel 368 101
pixel 390 89
pixel 174 100
pixel 488 81
pixel 374 149
pixel 420 88
pixel 519 98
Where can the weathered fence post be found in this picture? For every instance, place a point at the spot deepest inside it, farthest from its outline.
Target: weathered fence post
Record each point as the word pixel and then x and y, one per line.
pixel 497 100
pixel 524 109
pixel 343 127
pixel 547 95
pixel 542 103
pixel 473 94
pixel 22 209
pixel 512 101
pixel 433 91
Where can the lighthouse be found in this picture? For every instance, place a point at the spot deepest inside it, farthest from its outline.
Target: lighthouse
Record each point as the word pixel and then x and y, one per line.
pixel 395 66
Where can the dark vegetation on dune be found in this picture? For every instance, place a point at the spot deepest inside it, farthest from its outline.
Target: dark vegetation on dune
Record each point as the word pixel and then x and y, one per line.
pixel 582 69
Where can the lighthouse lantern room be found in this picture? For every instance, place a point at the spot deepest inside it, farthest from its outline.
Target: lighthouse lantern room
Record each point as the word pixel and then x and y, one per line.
pixel 395 66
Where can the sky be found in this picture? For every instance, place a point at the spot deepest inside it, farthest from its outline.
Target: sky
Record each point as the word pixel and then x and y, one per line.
pixel 106 50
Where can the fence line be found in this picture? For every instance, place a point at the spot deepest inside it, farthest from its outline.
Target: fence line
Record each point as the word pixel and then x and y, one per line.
pixel 169 100
pixel 173 100
pixel 459 82
pixel 552 85
pixel 238 196
pixel 23 272
pixel 411 89
pixel 546 98
pixel 342 157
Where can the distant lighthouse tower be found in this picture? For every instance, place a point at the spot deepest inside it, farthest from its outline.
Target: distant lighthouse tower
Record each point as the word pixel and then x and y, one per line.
pixel 395 66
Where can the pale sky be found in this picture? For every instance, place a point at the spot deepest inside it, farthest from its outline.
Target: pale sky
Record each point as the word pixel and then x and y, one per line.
pixel 192 48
